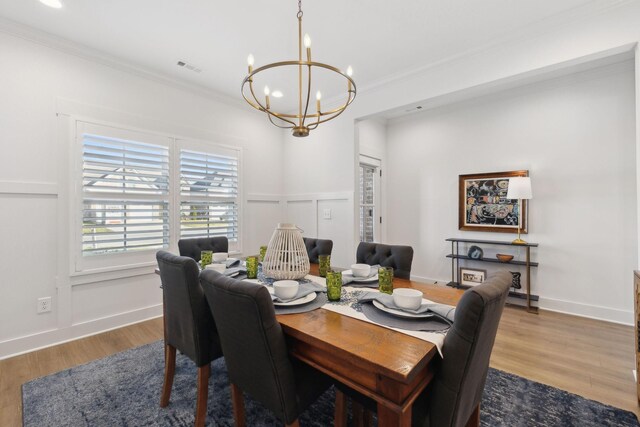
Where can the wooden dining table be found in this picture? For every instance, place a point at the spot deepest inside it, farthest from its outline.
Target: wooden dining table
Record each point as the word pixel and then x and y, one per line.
pixel 388 366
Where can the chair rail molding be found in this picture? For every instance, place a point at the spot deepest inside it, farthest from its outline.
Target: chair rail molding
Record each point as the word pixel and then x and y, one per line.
pixel 29 188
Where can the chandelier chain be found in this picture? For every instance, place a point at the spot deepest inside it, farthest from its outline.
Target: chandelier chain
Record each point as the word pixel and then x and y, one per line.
pixel 299 15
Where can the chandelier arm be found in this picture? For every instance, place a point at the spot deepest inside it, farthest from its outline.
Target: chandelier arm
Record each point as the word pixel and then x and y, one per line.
pixel 262 108
pixel 339 110
pixel 277 125
pixel 306 107
pixel 342 107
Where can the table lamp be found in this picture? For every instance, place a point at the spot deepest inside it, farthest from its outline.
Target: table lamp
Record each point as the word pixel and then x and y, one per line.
pixel 519 188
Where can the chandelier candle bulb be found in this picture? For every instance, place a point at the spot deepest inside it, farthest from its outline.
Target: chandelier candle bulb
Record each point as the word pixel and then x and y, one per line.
pixel 250 61
pixel 318 98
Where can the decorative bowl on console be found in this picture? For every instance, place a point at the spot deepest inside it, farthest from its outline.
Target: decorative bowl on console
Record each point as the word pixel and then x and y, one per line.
pixel 504 257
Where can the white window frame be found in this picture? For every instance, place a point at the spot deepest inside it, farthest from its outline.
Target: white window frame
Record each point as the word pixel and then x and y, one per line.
pixel 372 162
pixel 216 149
pixel 101 263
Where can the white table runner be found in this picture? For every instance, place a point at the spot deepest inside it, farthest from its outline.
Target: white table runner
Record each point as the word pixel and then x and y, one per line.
pixel 344 307
pixel 436 338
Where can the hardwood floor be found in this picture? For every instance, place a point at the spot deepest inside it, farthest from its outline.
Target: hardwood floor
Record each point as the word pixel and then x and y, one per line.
pixel 588 357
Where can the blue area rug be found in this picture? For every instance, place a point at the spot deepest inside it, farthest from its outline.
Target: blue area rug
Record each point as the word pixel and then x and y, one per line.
pixel 124 390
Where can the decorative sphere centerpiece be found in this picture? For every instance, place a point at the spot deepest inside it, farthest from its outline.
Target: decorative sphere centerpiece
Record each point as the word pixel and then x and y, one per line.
pixel 286 257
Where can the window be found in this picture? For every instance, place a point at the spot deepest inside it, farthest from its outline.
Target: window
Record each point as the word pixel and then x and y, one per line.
pixel 125 188
pixel 208 195
pixel 143 192
pixel 369 198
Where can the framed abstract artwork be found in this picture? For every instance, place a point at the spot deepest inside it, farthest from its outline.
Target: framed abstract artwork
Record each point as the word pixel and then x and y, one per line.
pixel 483 203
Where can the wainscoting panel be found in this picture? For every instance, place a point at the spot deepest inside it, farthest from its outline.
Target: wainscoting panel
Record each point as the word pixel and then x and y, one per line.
pixel 303 214
pixel 262 214
pixel 337 228
pixel 326 216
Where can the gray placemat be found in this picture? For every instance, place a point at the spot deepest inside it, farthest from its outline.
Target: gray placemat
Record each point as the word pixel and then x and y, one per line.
pixel 321 299
pixel 431 324
pixel 372 285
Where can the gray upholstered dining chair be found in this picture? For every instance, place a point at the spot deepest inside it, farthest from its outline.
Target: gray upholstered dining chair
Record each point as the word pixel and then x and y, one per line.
pixel 256 351
pixel 453 397
pixel 397 256
pixel 193 247
pixel 317 247
pixel 188 326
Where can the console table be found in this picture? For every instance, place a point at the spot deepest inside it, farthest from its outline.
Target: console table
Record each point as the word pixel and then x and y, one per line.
pixel 456 257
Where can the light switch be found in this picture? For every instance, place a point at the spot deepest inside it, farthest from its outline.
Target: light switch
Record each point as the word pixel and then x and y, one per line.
pixel 326 214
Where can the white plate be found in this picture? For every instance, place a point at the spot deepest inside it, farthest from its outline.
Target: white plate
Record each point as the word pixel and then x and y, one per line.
pixel 360 279
pixel 401 313
pixel 305 299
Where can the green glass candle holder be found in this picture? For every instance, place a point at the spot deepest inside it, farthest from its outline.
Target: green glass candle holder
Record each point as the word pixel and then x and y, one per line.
pixel 334 285
pixel 206 258
pixel 263 252
pixel 324 264
pixel 252 267
pixel 385 280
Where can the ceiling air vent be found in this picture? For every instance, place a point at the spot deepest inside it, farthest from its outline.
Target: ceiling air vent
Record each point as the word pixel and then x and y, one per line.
pixel 414 109
pixel 189 67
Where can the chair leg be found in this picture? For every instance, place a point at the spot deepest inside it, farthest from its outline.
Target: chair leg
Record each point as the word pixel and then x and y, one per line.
pixel 340 418
pixel 203 394
pixel 474 419
pixel 238 405
pixel 169 372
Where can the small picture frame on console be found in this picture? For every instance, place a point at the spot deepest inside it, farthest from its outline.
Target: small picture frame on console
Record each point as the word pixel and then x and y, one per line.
pixel 471 276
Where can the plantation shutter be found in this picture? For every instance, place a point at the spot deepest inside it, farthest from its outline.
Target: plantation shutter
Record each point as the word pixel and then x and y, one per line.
pixel 208 195
pixel 125 192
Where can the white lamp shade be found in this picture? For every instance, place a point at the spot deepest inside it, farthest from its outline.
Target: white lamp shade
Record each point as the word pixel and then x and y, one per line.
pixel 519 188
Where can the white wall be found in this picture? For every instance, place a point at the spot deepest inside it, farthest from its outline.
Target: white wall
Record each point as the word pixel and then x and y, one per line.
pixel 38 82
pixel 597 30
pixel 576 136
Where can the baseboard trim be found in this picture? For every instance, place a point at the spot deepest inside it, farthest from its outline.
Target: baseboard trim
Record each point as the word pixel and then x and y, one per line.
pixel 596 312
pixel 606 314
pixel 52 337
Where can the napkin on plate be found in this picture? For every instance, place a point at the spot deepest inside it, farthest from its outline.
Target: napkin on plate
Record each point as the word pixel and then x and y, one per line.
pixel 235 271
pixel 350 278
pixel 230 262
pixel 444 311
pixel 303 290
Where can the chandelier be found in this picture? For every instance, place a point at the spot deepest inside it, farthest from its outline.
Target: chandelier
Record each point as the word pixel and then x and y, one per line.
pixel 303 120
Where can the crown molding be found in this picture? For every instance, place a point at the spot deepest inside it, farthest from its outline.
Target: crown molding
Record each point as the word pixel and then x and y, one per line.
pixel 530 31
pixel 49 40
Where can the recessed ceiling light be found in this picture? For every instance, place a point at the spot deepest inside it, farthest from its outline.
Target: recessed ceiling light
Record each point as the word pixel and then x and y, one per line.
pixel 276 94
pixel 56 4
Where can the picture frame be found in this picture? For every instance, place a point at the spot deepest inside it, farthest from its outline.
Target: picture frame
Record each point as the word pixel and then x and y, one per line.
pixel 483 203
pixel 471 276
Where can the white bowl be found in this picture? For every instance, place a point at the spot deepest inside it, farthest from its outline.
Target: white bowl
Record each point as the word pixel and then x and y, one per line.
pixel 220 256
pixel 285 289
pixel 409 299
pixel 220 268
pixel 360 270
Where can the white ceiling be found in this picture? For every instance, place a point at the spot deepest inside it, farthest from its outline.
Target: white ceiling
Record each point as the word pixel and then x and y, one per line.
pixel 379 38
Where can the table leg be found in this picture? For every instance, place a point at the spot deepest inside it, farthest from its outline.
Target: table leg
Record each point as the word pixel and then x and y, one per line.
pixel 389 417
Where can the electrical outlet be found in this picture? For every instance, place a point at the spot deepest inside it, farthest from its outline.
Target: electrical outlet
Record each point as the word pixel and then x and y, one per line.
pixel 326 214
pixel 44 305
